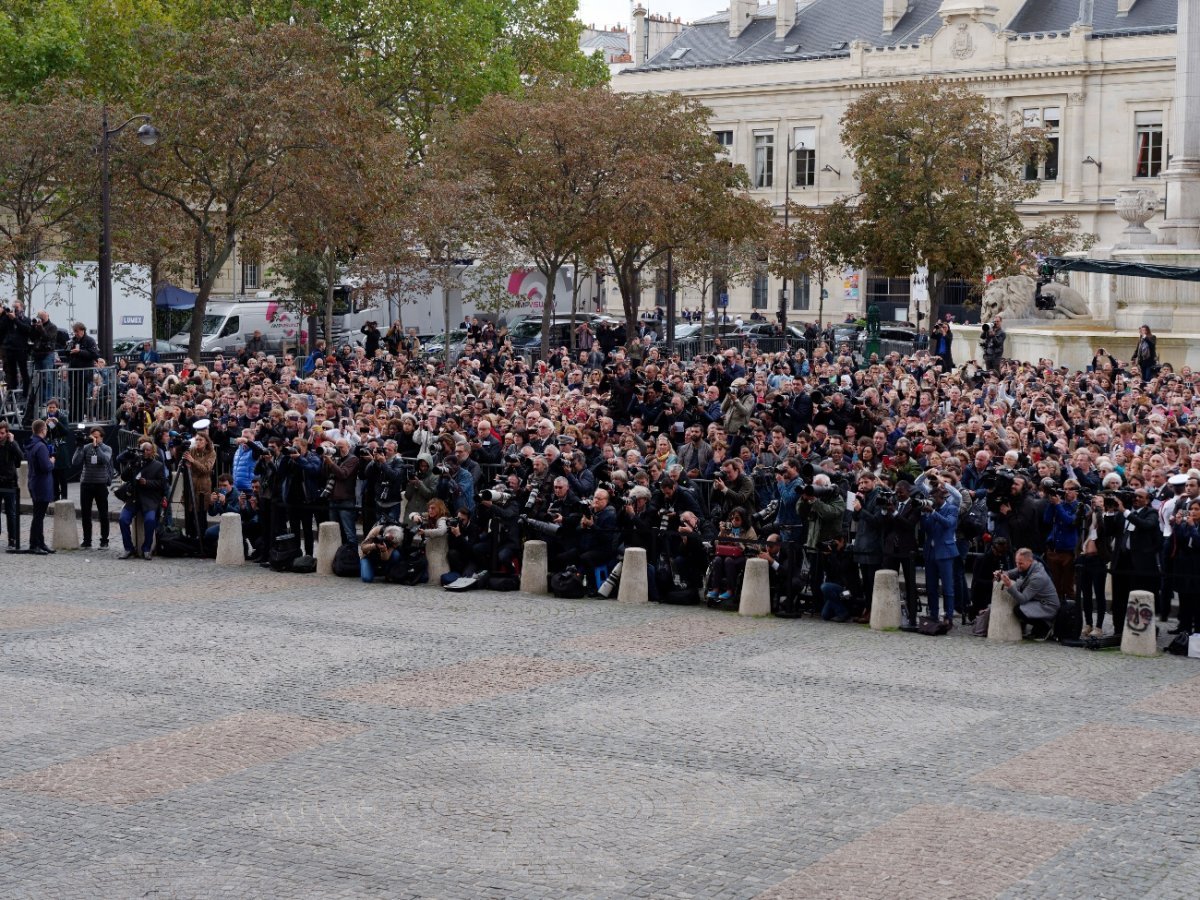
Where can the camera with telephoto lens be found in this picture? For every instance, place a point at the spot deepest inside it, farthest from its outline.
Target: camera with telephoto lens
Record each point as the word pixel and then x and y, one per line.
pixel 442 470
pixel 999 484
pixel 886 497
pixel 493 495
pixel 537 526
pixel 765 516
pixel 533 498
pixel 668 520
pixel 925 505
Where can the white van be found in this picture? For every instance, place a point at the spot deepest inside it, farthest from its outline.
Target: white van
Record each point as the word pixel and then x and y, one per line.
pixel 229 324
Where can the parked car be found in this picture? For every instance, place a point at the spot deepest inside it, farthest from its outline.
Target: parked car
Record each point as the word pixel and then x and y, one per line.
pixel 132 346
pixel 526 335
pixel 435 346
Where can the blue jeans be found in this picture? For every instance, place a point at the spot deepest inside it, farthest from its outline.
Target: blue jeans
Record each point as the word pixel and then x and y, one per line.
pixel 12 519
pixel 149 525
pixel 833 607
pixel 366 566
pixel 345 515
pixel 940 572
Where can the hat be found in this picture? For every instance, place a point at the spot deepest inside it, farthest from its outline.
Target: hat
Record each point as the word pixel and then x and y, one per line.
pixel 738 382
pixel 1177 480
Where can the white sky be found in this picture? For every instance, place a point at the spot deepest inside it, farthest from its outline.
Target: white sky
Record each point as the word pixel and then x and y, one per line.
pixel 616 12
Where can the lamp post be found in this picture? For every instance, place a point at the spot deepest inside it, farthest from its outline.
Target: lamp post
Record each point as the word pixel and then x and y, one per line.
pixel 148 135
pixel 787 201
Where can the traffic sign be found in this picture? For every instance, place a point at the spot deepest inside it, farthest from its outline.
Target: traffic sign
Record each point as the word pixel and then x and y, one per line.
pixel 724 300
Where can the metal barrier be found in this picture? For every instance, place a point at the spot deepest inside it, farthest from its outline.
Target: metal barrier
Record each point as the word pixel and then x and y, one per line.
pixel 85 395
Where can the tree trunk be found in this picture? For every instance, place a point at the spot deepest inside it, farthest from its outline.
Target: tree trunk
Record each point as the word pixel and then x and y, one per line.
pixel 196 335
pixel 446 322
pixel 547 310
pixel 330 277
pixel 574 303
pixel 153 299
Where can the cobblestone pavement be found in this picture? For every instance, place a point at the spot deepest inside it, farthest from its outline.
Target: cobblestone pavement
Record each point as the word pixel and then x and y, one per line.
pixel 168 729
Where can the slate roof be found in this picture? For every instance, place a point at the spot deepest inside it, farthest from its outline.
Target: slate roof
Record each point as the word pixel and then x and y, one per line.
pixel 825 28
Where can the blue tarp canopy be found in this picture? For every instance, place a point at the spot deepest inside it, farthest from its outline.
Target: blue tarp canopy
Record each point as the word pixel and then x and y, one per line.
pixel 167 296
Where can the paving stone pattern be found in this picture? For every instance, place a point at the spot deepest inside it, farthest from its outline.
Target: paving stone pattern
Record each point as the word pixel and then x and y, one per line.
pixel 168 729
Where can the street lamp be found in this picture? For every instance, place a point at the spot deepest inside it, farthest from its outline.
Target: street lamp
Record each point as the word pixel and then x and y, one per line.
pixel 148 135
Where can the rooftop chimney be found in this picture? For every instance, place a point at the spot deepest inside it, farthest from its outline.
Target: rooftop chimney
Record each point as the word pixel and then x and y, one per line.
pixel 637 41
pixel 785 18
pixel 893 12
pixel 741 14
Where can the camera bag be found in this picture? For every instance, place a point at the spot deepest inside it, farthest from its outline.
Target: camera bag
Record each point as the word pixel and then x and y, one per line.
pixel 285 550
pixel 345 561
pixel 305 565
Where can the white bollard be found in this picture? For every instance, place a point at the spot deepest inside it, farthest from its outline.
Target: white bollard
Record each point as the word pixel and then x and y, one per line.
pixel 1003 624
pixel 635 583
pixel 885 600
pixel 756 589
pixel 535 568
pixel 329 540
pixel 66 529
pixel 231 551
pixel 23 485
pixel 1140 634
pixel 436 549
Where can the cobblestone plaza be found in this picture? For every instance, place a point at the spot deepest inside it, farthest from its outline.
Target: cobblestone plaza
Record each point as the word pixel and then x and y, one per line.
pixel 171 729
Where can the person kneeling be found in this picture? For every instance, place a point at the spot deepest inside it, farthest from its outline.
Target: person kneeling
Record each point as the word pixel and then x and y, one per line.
pixel 379 552
pixel 731 556
pixel 841 581
pixel 1030 586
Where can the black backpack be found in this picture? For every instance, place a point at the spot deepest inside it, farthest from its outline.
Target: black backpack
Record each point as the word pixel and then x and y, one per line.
pixel 345 562
pixel 305 565
pixel 284 551
pixel 568 584
pixel 1068 623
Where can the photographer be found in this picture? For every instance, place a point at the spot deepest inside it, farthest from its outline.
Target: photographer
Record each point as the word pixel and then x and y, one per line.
pixel 581 479
pixel 638 520
pixel 11 457
pixel 1137 539
pixel 15 329
pixel 695 453
pixel 145 480
pixel 379 551
pixel 788 485
pixel 840 584
pixel 1062 515
pixel 96 459
pixel 220 501
pixel 62 443
pixel 1036 601
pixel 420 488
pixel 497 523
pixel 940 522
pixel 731 549
pixel 341 470
pixel 869 518
pixel 738 406
pixel 386 477
pixel 82 353
pixel 302 491
pixel 732 489
pixel 600 540
pixel 823 507
pixel 688 547
pixel 1016 515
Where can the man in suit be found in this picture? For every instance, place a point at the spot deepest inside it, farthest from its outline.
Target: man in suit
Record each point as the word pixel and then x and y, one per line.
pixel 1138 539
pixel 900 543
pixel 941 550
pixel 1032 589
pixel 40 455
pixel 143 470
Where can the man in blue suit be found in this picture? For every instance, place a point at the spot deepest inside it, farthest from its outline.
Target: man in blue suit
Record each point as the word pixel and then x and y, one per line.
pixel 941 549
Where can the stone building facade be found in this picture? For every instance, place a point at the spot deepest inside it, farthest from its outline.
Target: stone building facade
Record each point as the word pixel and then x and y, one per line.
pixel 1097 74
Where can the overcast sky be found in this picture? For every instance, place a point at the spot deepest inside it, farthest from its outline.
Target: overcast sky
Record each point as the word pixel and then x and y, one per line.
pixel 616 12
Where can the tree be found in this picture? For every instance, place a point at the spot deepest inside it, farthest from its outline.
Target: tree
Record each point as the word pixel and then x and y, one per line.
pixel 49 179
pixel 717 264
pixel 669 190
pixel 1050 237
pixel 545 170
pixel 940 178
pixel 247 114
pixel 816 243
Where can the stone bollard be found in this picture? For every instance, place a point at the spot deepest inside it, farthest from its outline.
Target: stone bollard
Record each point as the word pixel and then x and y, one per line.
pixel 1140 635
pixel 885 600
pixel 66 529
pixel 436 549
pixel 23 485
pixel 1003 624
pixel 329 540
pixel 138 533
pixel 535 568
pixel 231 551
pixel 635 585
pixel 756 589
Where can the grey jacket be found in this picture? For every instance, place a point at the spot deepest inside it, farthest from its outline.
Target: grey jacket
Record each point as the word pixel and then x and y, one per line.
pixel 1034 592
pixel 97 463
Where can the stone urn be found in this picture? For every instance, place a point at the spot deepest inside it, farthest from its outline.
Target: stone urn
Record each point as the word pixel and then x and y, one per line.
pixel 1137 206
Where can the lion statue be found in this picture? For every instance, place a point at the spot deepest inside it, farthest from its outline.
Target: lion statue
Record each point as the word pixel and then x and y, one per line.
pixel 1012 298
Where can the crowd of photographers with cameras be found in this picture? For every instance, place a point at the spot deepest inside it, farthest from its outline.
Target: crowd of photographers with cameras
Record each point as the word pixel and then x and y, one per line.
pixel 1068 488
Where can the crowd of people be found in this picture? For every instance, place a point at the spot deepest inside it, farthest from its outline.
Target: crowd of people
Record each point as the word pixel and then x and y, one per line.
pixel 827 464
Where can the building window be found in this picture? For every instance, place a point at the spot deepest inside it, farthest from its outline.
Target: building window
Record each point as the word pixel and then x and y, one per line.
pixel 1149 144
pixel 888 290
pixel 724 140
pixel 804 144
pixel 759 291
pixel 1044 166
pixel 764 159
pixel 801 294
pixel 251 276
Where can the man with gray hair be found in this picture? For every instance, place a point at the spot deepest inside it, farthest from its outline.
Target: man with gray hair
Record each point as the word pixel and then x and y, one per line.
pixel 1036 599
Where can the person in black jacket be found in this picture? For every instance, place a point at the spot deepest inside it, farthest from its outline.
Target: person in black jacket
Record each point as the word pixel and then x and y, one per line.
pixel 82 353
pixel 147 478
pixel 1137 538
pixel 600 538
pixel 15 329
pixel 900 519
pixel 371 345
pixel 11 456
